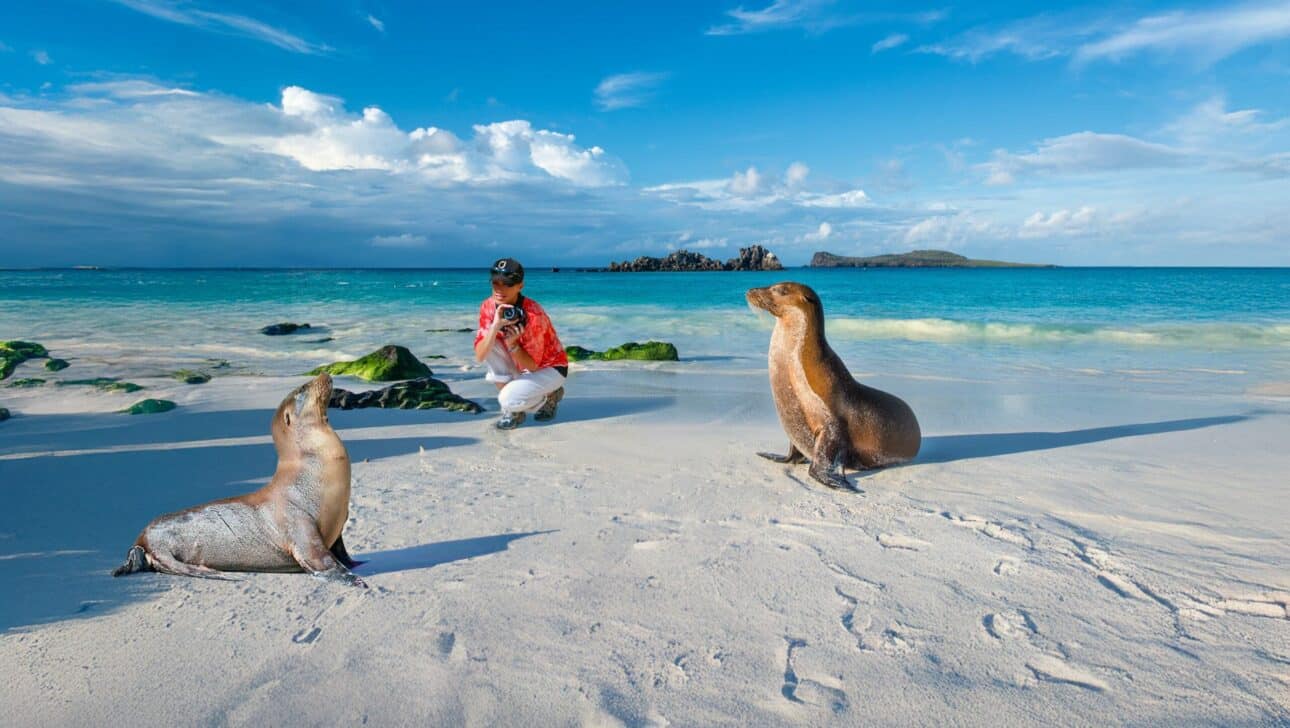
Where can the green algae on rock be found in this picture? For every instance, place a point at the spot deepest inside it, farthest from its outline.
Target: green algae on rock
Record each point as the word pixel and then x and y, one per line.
pixel 149 407
pixel 26 383
pixel 388 364
pixel 13 353
pixel 106 384
pixel 189 376
pixel 56 365
pixel 649 351
pixel 423 393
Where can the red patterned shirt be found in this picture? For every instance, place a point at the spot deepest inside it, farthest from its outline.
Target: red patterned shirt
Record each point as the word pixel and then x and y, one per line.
pixel 538 339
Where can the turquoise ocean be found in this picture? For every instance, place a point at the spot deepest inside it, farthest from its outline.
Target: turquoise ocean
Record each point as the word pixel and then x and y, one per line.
pixel 1179 325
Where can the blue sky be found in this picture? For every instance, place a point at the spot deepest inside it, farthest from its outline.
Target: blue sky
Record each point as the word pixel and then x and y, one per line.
pixel 364 133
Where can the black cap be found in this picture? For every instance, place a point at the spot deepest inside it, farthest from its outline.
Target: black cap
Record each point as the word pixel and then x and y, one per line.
pixel 508 268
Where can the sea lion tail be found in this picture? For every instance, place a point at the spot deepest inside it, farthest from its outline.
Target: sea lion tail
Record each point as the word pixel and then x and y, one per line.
pixel 135 560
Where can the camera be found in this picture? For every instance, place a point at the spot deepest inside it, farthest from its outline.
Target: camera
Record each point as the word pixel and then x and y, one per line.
pixel 512 315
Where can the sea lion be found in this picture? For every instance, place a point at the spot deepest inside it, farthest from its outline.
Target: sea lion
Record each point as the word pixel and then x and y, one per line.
pixel 829 416
pixel 292 524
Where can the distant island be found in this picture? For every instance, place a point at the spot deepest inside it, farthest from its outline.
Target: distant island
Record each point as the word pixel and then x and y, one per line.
pixel 751 258
pixel 915 259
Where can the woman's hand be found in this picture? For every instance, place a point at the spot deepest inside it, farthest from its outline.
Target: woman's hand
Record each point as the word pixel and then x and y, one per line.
pixel 511 335
pixel 498 321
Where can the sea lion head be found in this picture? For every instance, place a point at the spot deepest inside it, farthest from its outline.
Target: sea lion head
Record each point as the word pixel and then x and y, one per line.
pixel 301 420
pixel 787 299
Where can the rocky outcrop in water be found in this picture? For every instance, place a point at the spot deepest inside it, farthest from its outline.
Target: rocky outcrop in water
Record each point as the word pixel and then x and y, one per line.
pixel 752 258
pixel 914 259
pixel 423 393
pixel 149 407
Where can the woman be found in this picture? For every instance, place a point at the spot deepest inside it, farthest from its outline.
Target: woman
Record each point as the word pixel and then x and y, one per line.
pixel 518 343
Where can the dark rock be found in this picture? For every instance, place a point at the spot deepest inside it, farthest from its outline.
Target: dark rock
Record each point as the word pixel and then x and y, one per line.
pixel 283 329
pixel 388 364
pixel 319 341
pixel 422 393
pixel 189 376
pixel 449 331
pixel 4 414
pixel 13 353
pixel 649 351
pixel 149 407
pixel 26 383
pixel 56 365
pixel 752 258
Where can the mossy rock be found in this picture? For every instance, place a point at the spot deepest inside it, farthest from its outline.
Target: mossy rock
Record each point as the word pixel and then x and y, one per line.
pixel 424 393
pixel 106 384
pixel 26 383
pixel 150 407
pixel 189 376
pixel 649 351
pixel 4 414
pixel 13 353
pixel 56 365
pixel 390 363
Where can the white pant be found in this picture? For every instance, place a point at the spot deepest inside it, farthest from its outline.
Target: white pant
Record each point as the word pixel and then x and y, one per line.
pixel 524 391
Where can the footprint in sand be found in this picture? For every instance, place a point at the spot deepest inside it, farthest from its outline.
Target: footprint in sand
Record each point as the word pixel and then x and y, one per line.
pixel 1009 625
pixel 896 541
pixel 806 691
pixel 1054 669
pixel 992 529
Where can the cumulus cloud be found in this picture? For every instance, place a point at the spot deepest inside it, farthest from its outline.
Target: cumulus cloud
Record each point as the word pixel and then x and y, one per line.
pixel 751 188
pixel 225 23
pixel 1060 222
pixel 823 232
pixel 1082 152
pixel 627 90
pixel 796 174
pixel 330 138
pixel 849 199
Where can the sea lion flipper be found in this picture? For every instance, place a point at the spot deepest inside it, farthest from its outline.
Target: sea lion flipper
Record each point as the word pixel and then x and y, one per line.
pixel 309 552
pixel 342 555
pixel 830 443
pixel 793 457
pixel 168 564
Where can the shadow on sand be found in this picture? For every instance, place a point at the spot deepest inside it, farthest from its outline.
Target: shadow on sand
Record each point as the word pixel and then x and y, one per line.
pixel 600 408
pixel 949 448
pixel 68 520
pixel 429 555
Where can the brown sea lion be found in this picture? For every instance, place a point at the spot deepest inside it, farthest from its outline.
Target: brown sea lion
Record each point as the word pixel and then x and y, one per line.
pixel 829 416
pixel 292 524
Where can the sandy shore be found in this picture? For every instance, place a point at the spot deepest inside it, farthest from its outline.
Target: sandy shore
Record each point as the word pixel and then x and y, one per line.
pixel 1072 554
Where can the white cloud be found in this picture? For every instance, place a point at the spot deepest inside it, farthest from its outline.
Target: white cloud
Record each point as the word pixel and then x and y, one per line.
pixel 824 232
pixel 894 40
pixel 405 240
pixel 1060 222
pixel 796 174
pixel 627 90
pixel 1210 122
pixel 1082 152
pixel 226 23
pixel 749 183
pixel 41 57
pixel 128 89
pixel 1034 39
pixel 812 16
pixel 1206 35
pixel 376 23
pixel 848 199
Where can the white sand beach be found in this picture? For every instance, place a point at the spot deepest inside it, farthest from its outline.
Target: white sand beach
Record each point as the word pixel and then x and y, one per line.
pixel 1064 551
